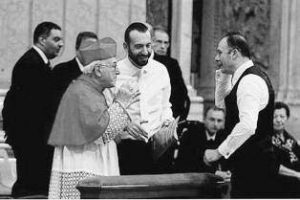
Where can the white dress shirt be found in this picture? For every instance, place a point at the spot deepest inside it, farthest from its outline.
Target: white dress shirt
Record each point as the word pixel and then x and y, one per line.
pixel 252 97
pixel 153 82
pixel 223 87
pixel 81 67
pixel 210 137
pixel 41 53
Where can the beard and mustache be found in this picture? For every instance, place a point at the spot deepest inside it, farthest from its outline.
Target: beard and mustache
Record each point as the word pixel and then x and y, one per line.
pixel 139 59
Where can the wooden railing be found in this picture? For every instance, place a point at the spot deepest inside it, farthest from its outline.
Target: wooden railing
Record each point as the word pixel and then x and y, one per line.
pixel 185 185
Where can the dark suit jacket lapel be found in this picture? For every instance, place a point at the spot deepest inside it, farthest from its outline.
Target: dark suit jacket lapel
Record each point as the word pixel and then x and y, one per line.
pixel 38 59
pixel 74 69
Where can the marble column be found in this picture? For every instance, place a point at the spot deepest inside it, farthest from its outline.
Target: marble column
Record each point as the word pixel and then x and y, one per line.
pixel 288 69
pixel 209 38
pixel 182 50
pixel 181 35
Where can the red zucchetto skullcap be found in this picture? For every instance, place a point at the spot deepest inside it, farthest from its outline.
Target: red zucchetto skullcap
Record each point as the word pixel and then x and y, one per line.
pixel 103 49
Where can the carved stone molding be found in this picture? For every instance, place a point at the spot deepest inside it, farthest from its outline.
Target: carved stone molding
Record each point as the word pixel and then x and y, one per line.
pixel 251 18
pixel 158 13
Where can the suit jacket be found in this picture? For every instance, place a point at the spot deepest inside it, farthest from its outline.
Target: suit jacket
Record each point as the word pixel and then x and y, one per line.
pixel 26 114
pixel 63 75
pixel 193 143
pixel 179 96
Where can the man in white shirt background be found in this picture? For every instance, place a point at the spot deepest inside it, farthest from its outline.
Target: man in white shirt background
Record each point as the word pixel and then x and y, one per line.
pixel 249 122
pixel 153 109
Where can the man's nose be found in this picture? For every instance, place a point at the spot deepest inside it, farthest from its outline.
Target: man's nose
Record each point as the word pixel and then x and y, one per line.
pixel 278 119
pixel 117 71
pixel 144 51
pixel 217 58
pixel 215 124
pixel 61 44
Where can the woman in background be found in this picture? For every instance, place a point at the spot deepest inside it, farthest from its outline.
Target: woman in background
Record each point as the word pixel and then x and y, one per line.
pixel 288 151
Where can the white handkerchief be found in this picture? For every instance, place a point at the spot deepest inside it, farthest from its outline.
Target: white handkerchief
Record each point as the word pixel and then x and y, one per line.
pixel 223 87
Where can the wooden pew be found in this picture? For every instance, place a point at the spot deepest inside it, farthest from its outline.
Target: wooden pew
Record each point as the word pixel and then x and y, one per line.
pixel 185 185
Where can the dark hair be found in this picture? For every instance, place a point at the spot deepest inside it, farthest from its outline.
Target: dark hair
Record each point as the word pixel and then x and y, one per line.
pixel 279 105
pixel 235 40
pixel 160 28
pixel 214 108
pixel 140 27
pixel 44 28
pixel 82 36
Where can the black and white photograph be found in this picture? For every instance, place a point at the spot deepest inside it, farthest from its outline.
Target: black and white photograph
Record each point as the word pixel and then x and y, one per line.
pixel 143 99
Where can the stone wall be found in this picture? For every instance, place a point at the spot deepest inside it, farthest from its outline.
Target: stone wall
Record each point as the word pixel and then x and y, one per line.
pixel 159 13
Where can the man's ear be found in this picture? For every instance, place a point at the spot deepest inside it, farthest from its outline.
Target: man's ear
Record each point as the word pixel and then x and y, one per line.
pixel 125 46
pixel 98 72
pixel 42 40
pixel 234 54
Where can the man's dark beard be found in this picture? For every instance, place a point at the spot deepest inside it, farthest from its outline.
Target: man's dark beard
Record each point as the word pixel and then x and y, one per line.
pixel 135 59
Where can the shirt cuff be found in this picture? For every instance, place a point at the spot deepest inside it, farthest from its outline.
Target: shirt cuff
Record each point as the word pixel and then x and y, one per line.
pixel 224 150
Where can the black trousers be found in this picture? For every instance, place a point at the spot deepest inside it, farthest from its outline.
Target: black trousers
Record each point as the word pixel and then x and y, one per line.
pixel 289 187
pixel 135 157
pixel 255 177
pixel 34 164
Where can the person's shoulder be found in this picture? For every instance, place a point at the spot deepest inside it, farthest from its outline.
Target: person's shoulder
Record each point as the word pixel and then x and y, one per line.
pixel 77 89
pixel 253 80
pixel 195 132
pixel 29 55
pixel 173 60
pixel 158 66
pixel 166 59
pixel 64 65
pixel 195 127
pixel 124 66
pixel 122 62
pixel 30 59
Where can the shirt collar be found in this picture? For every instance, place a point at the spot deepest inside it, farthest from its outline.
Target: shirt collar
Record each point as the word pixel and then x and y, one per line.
pixel 152 55
pixel 135 70
pixel 209 137
pixel 240 70
pixel 42 54
pixel 79 64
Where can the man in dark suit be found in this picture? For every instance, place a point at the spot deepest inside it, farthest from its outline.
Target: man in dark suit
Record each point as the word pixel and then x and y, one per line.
pixel 27 117
pixel 179 95
pixel 198 138
pixel 65 73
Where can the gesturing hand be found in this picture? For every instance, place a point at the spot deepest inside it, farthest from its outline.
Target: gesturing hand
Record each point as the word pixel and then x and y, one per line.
pixel 211 155
pixel 137 131
pixel 127 96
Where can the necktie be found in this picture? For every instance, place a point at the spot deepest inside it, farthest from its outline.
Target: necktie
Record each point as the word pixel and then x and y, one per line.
pixel 49 64
pixel 210 143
